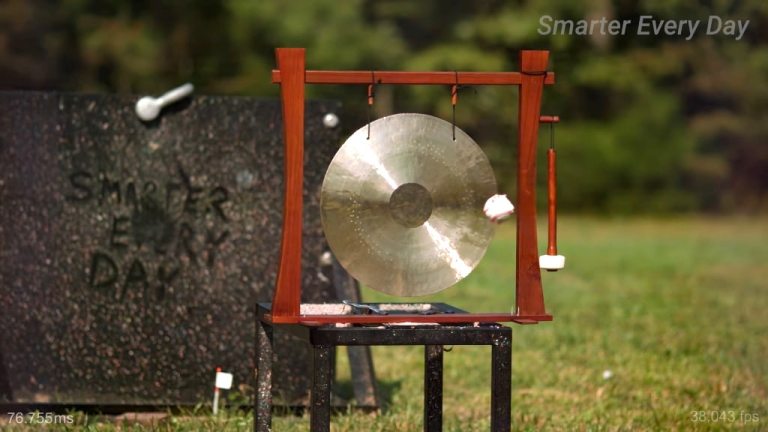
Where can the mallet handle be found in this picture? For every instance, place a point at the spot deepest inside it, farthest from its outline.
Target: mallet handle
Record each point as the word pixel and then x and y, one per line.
pixel 552 201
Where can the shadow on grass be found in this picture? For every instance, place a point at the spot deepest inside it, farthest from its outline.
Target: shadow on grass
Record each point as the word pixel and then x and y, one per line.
pixel 344 395
pixel 343 400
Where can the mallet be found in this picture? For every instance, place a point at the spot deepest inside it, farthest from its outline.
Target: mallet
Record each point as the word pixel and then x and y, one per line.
pixel 148 107
pixel 551 261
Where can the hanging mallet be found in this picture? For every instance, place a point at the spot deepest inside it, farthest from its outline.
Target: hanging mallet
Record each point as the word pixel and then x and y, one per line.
pixel 551 261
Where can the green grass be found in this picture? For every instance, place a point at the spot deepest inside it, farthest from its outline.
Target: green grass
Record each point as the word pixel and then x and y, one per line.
pixel 676 309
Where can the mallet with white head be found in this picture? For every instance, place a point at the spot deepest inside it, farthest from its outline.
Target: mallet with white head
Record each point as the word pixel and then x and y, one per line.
pixel 551 261
pixel 148 107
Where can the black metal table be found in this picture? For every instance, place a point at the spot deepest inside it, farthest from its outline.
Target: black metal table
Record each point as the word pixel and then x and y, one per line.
pixel 324 339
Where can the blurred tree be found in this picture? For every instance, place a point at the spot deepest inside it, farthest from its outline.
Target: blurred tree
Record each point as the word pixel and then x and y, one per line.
pixel 650 124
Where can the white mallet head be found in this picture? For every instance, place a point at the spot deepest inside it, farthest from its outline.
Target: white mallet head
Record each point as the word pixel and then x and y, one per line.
pixel 147 108
pixel 552 262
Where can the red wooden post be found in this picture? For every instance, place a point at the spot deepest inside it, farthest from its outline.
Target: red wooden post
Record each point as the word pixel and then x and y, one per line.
pixel 286 301
pixel 529 295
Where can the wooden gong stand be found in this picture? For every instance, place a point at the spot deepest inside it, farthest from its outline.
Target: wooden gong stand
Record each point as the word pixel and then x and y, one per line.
pixel 292 76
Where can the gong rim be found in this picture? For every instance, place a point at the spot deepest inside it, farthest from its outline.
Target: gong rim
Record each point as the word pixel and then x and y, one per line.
pixel 402 210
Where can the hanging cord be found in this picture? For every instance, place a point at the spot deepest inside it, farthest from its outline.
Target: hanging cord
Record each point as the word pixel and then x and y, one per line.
pixel 454 101
pixel 371 95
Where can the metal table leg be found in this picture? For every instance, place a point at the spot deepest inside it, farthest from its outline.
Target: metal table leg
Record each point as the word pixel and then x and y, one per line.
pixel 320 414
pixel 501 384
pixel 433 388
pixel 262 421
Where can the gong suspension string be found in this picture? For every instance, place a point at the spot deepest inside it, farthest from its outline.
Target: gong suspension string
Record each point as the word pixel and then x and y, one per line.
pixel 455 99
pixel 371 95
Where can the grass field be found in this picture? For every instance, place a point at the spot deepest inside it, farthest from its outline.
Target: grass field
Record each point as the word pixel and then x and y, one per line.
pixel 677 310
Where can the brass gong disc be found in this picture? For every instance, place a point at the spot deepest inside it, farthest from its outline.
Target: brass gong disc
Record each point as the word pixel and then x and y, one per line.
pixel 403 210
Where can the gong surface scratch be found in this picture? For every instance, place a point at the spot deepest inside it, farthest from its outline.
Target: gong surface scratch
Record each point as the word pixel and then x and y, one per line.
pixel 403 210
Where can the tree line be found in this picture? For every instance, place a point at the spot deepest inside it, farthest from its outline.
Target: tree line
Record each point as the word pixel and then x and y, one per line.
pixel 659 123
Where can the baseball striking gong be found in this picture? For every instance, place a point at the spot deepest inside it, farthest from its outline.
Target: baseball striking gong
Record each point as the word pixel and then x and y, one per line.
pixel 402 204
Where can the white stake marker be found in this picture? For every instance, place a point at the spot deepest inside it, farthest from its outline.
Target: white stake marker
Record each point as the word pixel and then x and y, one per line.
pixel 223 381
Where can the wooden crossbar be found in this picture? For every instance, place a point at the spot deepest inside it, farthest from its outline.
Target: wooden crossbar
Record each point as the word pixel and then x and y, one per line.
pixel 413 78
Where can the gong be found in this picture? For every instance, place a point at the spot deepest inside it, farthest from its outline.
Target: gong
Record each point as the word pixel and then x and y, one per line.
pixel 402 204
